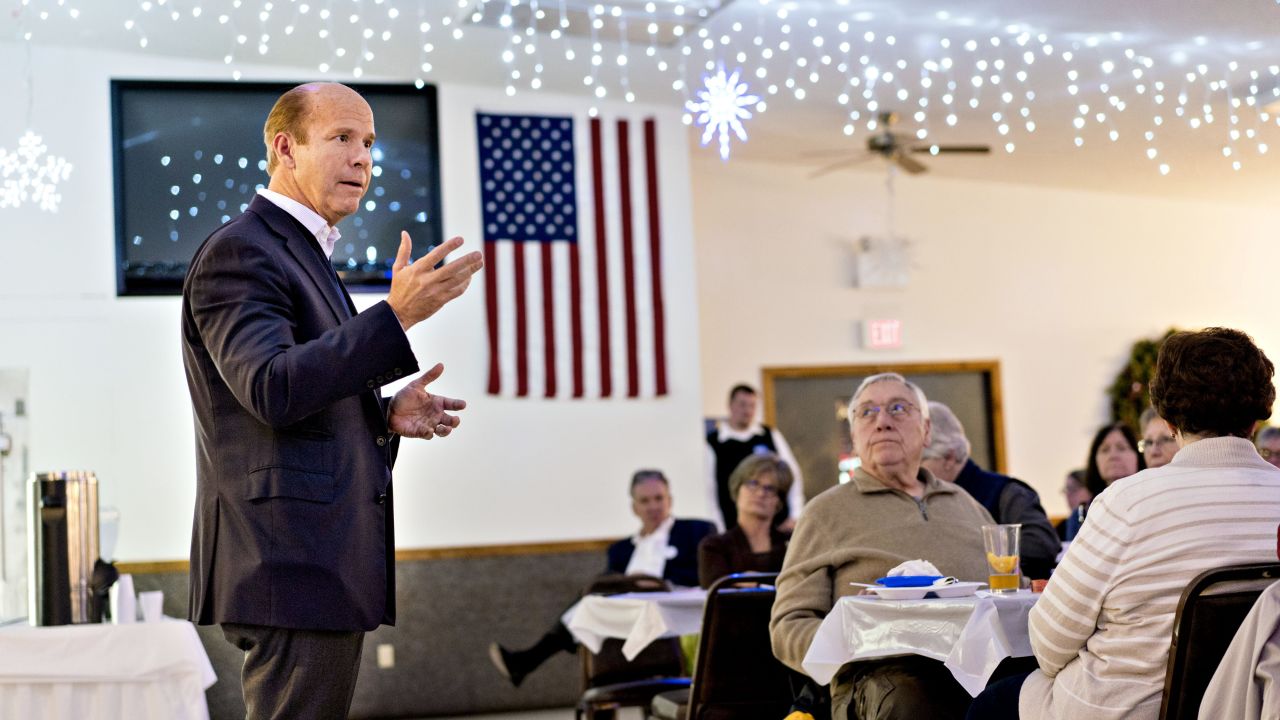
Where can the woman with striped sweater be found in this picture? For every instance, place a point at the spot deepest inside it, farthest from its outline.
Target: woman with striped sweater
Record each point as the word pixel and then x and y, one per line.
pixel 1102 629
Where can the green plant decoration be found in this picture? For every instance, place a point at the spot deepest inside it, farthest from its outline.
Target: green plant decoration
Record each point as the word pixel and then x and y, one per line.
pixel 1131 392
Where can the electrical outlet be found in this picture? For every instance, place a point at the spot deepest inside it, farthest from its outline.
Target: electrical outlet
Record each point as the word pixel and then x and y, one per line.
pixel 386 656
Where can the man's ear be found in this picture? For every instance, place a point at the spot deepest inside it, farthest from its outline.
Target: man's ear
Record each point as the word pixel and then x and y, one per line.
pixel 283 144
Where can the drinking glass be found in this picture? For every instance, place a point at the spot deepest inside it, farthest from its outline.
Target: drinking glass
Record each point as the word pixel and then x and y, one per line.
pixel 1003 559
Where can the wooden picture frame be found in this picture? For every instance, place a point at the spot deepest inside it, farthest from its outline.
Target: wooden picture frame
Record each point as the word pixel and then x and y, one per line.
pixel 806 405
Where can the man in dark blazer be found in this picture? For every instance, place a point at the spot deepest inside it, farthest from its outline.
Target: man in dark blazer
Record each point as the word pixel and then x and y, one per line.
pixel 292 547
pixel 665 547
pixel 651 502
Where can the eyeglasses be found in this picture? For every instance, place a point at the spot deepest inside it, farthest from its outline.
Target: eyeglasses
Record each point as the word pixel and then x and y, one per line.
pixel 1268 454
pixel 1146 444
pixel 757 486
pixel 897 410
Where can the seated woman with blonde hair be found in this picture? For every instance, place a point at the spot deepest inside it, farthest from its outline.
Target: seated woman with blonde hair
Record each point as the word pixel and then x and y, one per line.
pixel 757 486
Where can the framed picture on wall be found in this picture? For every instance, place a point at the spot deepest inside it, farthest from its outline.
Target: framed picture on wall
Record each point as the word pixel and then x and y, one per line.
pixel 189 156
pixel 809 405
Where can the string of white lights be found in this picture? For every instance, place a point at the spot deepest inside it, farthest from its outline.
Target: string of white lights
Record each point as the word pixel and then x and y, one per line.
pixel 787 55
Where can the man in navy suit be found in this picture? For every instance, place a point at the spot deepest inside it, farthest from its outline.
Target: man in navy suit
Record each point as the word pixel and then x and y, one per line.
pixel 292 547
pixel 665 547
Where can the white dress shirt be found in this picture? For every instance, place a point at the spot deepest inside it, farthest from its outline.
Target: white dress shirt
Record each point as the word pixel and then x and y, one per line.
pixel 324 233
pixel 652 551
pixel 795 496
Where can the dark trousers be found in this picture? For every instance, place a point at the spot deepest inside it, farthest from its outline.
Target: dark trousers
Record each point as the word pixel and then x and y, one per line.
pixel 999 701
pixel 305 674
pixel 904 688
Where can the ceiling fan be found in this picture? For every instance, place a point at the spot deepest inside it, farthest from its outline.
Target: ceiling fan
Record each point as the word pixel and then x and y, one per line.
pixel 896 147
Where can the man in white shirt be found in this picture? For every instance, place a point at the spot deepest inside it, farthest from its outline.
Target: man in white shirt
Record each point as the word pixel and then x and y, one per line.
pixel 292 548
pixel 664 547
pixel 730 442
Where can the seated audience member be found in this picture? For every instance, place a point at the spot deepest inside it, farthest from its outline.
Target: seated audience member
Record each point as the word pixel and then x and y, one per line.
pixel 1268 443
pixel 1113 454
pixel 1007 499
pixel 735 439
pixel 1157 443
pixel 892 510
pixel 1078 496
pixel 1102 629
pixel 757 485
pixel 665 547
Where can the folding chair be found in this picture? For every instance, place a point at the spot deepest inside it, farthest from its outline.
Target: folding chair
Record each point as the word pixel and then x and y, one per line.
pixel 1210 611
pixel 735 674
pixel 609 680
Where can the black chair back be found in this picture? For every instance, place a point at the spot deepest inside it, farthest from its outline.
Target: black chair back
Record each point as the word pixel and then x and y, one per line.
pixel 1210 612
pixel 735 674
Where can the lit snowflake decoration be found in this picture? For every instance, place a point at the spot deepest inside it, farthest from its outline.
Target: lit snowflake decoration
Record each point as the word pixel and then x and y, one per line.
pixel 721 108
pixel 25 176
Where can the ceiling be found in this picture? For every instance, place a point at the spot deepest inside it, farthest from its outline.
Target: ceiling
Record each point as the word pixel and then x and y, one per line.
pixel 1186 71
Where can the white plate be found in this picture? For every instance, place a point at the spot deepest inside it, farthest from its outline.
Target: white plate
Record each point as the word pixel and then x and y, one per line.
pixel 954 590
pixel 901 593
pixel 960 589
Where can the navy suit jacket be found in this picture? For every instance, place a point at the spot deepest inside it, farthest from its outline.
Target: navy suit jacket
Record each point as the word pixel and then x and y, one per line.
pixel 681 569
pixel 293 518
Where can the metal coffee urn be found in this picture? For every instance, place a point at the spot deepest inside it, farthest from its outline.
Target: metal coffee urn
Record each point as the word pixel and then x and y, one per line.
pixel 62 546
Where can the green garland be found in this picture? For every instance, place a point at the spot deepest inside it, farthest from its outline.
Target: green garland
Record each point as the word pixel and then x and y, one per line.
pixel 1131 392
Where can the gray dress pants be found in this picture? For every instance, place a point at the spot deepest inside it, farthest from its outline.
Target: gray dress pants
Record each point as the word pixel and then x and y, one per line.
pixel 303 674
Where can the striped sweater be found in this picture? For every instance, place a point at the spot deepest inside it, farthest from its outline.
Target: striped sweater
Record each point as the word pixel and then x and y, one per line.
pixel 1102 630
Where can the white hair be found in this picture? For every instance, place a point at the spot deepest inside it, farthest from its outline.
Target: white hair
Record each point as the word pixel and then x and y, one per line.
pixel 921 400
pixel 948 434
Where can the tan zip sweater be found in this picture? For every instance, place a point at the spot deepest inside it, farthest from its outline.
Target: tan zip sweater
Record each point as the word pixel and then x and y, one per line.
pixel 856 533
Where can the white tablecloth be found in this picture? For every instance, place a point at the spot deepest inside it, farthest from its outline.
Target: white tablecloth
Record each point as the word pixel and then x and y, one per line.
pixel 100 672
pixel 637 618
pixel 970 635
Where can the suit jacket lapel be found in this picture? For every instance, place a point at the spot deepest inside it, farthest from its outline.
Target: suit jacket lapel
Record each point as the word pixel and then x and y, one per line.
pixel 300 245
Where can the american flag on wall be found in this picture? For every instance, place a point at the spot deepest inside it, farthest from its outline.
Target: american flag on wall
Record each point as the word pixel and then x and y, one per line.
pixel 573 257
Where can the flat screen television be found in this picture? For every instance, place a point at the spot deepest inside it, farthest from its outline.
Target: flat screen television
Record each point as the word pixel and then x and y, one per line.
pixel 189 156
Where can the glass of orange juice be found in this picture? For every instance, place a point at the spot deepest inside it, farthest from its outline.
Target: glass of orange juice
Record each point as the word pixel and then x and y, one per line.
pixel 1003 559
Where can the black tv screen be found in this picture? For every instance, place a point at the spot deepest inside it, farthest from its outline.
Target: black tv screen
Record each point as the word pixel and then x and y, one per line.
pixel 189 156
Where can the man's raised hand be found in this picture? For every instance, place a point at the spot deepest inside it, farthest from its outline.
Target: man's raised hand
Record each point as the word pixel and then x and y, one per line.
pixel 418 290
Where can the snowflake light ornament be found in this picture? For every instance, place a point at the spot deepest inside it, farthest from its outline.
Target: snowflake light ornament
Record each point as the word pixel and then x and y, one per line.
pixel 721 108
pixel 27 177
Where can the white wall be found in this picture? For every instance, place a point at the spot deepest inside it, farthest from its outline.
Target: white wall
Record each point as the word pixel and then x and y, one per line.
pixel 108 392
pixel 1057 285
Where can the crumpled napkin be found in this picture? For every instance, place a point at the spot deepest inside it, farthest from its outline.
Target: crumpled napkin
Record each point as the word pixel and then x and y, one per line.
pixel 915 567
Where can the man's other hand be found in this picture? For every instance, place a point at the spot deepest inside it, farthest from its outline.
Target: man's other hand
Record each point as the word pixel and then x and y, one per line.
pixel 417 413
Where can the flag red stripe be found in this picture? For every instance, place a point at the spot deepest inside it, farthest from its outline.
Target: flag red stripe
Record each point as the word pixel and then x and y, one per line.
pixel 602 274
pixel 522 330
pixel 628 259
pixel 491 310
pixel 575 320
pixel 548 322
pixel 655 258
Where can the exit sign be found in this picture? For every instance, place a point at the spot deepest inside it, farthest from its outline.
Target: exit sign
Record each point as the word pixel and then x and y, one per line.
pixel 882 334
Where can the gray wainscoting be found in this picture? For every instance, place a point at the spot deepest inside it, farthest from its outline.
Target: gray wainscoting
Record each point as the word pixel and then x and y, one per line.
pixel 449 609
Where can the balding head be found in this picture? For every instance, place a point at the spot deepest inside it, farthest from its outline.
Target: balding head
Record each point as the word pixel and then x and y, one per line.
pixel 292 114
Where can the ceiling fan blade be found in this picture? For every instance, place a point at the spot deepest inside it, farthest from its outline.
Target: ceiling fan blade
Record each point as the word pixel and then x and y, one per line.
pixel 839 166
pixel 908 163
pixel 974 149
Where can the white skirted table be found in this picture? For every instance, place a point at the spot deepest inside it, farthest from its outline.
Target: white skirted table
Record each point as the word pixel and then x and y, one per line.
pixel 636 618
pixel 103 672
pixel 970 635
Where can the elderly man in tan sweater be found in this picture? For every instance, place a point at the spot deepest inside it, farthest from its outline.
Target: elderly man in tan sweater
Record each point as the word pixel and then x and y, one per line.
pixel 892 511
